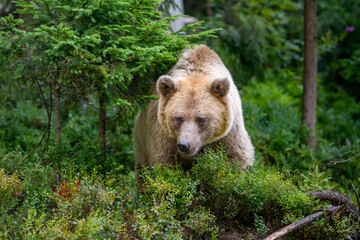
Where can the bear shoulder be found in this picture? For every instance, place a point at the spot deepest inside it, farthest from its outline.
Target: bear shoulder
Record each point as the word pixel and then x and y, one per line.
pixel 199 60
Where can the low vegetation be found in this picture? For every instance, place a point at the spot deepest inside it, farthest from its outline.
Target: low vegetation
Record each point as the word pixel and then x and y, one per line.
pixel 213 200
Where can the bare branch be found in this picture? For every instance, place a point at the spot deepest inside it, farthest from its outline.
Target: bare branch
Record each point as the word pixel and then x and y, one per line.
pixel 301 223
pixel 48 125
pixel 334 197
pixel 356 193
pixel 337 198
pixel 348 159
pixel 49 119
pixel 330 195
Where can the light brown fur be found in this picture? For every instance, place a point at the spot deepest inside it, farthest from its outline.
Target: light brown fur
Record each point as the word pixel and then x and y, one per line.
pixel 199 86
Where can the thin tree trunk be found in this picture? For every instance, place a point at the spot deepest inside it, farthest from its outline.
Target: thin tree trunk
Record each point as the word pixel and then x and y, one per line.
pixel 310 70
pixel 57 112
pixel 102 124
pixel 179 10
pixel 47 130
pixel 209 11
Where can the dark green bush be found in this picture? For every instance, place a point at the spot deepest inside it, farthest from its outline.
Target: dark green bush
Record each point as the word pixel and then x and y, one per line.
pixel 232 193
pixel 274 124
pixel 168 205
pixel 172 203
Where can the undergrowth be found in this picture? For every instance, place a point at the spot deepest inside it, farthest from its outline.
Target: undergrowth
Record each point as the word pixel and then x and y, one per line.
pixel 171 204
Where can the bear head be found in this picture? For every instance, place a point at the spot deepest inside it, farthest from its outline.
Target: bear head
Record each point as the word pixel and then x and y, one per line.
pixel 194 110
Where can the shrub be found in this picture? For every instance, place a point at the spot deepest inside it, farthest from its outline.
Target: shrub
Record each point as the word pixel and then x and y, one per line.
pixel 231 193
pixel 168 205
pixel 275 126
pixel 9 190
pixel 78 198
pixel 171 185
pixel 259 224
pixel 201 221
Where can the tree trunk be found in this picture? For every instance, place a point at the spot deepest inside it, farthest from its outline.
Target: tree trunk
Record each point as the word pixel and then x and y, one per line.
pixel 310 71
pixel 102 124
pixel 209 11
pixel 57 112
pixel 179 10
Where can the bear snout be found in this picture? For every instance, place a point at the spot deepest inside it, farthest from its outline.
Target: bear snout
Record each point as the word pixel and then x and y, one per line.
pixel 183 147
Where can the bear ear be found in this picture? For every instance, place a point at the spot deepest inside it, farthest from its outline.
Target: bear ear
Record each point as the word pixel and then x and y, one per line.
pixel 166 85
pixel 220 87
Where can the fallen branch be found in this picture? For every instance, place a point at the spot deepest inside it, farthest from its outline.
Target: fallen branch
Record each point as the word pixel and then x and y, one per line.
pixel 336 198
pixel 301 223
pixel 356 193
pixel 330 195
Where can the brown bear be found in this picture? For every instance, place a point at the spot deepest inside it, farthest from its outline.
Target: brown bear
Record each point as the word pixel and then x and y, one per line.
pixel 199 105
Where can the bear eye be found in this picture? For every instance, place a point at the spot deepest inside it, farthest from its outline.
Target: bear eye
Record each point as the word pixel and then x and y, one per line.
pixel 178 121
pixel 200 121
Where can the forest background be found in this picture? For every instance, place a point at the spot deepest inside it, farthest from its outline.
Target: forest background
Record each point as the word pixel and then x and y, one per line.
pixel 74 74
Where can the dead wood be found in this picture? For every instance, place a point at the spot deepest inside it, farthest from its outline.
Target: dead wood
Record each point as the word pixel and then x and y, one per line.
pixel 356 194
pixel 302 223
pixel 330 195
pixel 336 198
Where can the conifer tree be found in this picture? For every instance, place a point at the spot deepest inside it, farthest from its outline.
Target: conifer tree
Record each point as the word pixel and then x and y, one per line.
pixel 107 50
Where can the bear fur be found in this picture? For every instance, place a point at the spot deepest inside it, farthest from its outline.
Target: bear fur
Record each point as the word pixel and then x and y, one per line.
pixel 199 105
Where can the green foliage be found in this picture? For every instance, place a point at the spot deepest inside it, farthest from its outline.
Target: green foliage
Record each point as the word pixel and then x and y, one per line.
pixel 338 65
pixel 235 193
pixel 260 226
pixel 339 228
pixel 200 221
pixel 350 66
pixel 272 115
pixel 333 228
pixel 257 36
pixel 79 208
pixel 78 198
pixel 119 47
pixel 315 180
pixel 70 192
pixel 171 204
pixel 166 204
pixel 163 184
pixel 261 43
pixel 10 187
pixel 275 127
pixel 114 45
pixel 23 133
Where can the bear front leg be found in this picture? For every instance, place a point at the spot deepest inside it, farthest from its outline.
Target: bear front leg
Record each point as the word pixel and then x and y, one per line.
pixel 166 152
pixel 239 146
pixel 163 151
